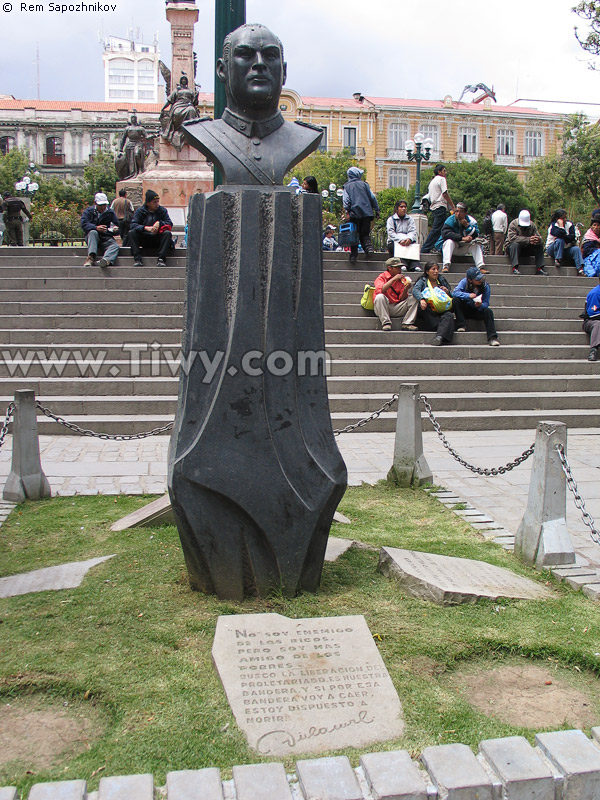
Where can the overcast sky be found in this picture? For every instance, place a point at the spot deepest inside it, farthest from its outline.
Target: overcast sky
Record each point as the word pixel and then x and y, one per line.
pixel 523 48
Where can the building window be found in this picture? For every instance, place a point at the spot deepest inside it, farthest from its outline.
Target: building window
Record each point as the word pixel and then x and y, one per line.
pixel 98 145
pixel 349 140
pixel 7 143
pixel 397 135
pixel 121 93
pixel 120 70
pixel 433 132
pixel 323 144
pixel 145 71
pixel 54 145
pixel 505 142
pixel 398 177
pixel 534 144
pixel 467 140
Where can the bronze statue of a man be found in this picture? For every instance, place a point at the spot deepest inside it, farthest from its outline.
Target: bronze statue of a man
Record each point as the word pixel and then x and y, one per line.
pixel 130 160
pixel 252 143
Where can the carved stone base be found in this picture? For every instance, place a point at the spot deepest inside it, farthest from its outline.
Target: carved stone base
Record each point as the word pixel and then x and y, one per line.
pixel 255 475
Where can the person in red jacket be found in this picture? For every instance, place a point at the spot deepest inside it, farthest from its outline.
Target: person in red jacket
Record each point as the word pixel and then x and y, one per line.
pixel 393 297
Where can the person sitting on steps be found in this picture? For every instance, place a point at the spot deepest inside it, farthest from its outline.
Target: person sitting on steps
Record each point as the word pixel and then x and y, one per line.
pixel 591 320
pixel 440 321
pixel 472 297
pixel 151 229
pixel 523 239
pixel 393 298
pixel 100 224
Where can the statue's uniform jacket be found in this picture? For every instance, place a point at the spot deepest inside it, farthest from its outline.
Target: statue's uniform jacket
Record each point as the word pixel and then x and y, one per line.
pixel 253 152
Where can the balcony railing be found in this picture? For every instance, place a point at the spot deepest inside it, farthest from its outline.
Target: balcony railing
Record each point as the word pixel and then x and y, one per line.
pixel 468 156
pixel 358 152
pixel 529 160
pixel 507 161
pixel 54 161
pixel 400 155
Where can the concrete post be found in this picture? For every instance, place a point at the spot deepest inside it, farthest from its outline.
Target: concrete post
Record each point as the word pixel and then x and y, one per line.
pixel 26 479
pixel 542 539
pixel 410 467
pixel 422 225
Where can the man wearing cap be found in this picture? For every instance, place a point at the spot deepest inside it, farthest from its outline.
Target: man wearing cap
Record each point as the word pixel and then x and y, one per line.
pixel 100 223
pixel 460 232
pixel 329 240
pixel 12 208
pixel 471 298
pixel 523 239
pixel 360 205
pixel 151 229
pixel 393 297
pixel 401 228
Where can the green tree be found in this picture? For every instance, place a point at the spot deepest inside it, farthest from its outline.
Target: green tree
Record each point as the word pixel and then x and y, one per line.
pixel 546 190
pixel 326 167
pixel 589 10
pixel 61 193
pixel 100 174
pixel 580 161
pixel 13 166
pixel 482 185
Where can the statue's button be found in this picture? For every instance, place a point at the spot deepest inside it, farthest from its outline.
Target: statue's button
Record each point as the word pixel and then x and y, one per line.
pixel 257 156
pixel 242 126
pixel 256 142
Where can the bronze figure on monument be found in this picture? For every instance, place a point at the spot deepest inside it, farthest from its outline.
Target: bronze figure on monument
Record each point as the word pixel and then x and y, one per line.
pixel 255 475
pixel 180 106
pixel 132 150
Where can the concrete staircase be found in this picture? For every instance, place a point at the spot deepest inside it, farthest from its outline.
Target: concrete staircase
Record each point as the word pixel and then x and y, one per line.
pixel 101 347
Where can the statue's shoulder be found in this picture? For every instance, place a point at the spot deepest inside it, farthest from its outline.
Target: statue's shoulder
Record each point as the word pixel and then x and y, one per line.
pixel 315 128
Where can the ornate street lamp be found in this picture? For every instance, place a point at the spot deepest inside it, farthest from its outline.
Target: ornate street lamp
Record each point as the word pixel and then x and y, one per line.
pixel 422 152
pixel 332 193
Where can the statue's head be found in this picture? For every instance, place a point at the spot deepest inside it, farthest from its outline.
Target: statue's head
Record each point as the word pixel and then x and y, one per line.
pixel 183 81
pixel 252 69
pixel 134 119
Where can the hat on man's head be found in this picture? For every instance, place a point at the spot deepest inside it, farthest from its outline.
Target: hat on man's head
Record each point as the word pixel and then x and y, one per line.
pixel 100 199
pixel 595 218
pixel 393 262
pixel 150 195
pixel 524 218
pixel 332 227
pixel 474 274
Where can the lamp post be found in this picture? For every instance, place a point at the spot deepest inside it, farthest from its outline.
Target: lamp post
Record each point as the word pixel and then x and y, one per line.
pixel 422 152
pixel 331 193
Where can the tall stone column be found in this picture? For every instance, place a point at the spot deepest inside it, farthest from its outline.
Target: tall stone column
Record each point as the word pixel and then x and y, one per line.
pixel 182 17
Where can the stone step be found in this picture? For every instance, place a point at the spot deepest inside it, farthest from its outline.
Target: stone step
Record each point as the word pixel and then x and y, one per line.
pixel 119 424
pixel 475 350
pixel 360 404
pixel 509 337
pixel 126 294
pixel 355 311
pixel 108 362
pixel 96 321
pixel 505 320
pixel 340 385
pixel 88 285
pixel 100 309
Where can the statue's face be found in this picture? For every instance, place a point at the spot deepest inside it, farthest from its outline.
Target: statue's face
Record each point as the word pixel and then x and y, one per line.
pixel 255 71
pixel 134 120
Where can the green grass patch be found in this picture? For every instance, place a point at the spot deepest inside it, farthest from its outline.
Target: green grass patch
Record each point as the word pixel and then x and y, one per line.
pixel 135 643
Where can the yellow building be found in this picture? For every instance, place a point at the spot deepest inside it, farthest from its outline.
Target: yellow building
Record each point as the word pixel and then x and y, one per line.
pixel 376 129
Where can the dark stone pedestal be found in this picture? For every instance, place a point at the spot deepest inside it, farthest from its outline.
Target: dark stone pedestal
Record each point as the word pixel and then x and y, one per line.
pixel 255 475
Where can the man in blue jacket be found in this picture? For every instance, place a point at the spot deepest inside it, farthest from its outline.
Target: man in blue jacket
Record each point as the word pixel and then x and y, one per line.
pixel 151 229
pixel 460 232
pixel 100 223
pixel 591 320
pixel 471 298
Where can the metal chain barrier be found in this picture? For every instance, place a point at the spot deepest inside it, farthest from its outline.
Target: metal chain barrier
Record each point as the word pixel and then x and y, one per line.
pixel 117 437
pixel 578 499
pixel 479 470
pixel 4 427
pixel 361 423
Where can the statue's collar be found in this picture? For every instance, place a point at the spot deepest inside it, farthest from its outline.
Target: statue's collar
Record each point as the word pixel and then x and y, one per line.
pixel 252 127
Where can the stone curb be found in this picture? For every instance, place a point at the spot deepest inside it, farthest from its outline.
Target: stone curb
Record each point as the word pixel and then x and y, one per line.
pixel 562 764
pixel 577 576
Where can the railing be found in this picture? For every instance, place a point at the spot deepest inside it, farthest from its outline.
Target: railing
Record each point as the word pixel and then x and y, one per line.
pixel 358 152
pixel 468 156
pixel 55 233
pixel 54 161
pixel 400 155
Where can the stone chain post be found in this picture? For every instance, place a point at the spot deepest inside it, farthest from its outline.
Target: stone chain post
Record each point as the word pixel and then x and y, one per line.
pixel 410 468
pixel 26 479
pixel 542 539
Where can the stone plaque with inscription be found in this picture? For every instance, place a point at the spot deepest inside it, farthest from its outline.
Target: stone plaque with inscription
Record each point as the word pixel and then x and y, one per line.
pixel 448 581
pixel 305 685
